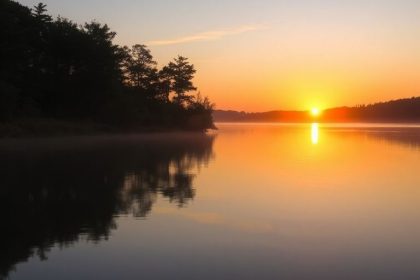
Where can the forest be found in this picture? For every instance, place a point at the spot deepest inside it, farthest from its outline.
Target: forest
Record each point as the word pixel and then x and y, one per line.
pixel 56 73
pixel 405 110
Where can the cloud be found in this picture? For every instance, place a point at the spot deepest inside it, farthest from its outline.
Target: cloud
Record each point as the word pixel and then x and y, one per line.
pixel 209 35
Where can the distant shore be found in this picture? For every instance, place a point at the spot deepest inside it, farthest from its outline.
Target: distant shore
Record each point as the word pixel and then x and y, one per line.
pixel 395 111
pixel 396 122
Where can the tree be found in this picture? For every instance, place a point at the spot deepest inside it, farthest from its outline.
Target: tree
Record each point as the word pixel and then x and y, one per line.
pixel 180 74
pixel 39 13
pixel 140 66
pixel 58 69
pixel 200 103
pixel 99 33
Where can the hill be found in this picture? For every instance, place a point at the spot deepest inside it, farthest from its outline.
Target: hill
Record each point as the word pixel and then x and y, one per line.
pixel 401 110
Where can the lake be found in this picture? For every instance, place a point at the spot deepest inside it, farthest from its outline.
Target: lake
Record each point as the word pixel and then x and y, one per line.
pixel 249 201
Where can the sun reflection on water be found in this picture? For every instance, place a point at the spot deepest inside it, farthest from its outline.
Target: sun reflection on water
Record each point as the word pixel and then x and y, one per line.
pixel 315 133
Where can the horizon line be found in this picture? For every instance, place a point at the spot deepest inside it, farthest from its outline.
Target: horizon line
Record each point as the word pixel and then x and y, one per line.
pixel 329 108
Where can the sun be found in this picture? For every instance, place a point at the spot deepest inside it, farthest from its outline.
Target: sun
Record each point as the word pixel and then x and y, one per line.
pixel 315 112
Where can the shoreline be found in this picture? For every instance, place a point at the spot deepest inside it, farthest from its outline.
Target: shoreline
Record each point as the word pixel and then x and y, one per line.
pixel 326 123
pixel 51 128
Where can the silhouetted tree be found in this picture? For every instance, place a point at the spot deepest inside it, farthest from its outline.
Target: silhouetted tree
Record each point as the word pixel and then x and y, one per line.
pixel 180 74
pixel 39 12
pixel 141 67
pixel 57 69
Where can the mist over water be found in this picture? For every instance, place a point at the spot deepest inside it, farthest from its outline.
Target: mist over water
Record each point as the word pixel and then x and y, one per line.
pixel 251 201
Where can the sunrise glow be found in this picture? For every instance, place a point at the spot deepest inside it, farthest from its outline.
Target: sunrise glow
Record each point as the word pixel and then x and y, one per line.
pixel 315 112
pixel 225 139
pixel 348 54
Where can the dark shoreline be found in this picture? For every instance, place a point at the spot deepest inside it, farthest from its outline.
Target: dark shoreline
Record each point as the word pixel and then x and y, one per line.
pixel 367 122
pixel 50 128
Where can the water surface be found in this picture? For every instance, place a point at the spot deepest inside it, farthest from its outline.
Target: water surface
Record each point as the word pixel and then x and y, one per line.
pixel 251 201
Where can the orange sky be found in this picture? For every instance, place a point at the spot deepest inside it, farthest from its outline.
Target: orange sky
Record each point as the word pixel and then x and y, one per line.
pixel 270 54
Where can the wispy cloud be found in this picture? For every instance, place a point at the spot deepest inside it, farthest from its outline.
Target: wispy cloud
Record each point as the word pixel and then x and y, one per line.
pixel 209 35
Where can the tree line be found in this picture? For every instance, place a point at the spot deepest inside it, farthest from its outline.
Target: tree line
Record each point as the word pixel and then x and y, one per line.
pixel 57 69
pixel 406 110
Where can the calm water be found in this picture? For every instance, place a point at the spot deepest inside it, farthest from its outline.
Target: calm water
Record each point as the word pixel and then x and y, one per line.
pixel 248 202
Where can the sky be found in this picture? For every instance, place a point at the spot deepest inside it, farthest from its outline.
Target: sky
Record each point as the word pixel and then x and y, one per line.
pixel 266 55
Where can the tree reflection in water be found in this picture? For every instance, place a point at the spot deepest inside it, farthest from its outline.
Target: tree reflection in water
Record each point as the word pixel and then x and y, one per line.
pixel 53 192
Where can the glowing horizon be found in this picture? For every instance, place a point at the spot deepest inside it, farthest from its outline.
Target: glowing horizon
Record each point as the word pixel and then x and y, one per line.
pixel 274 55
